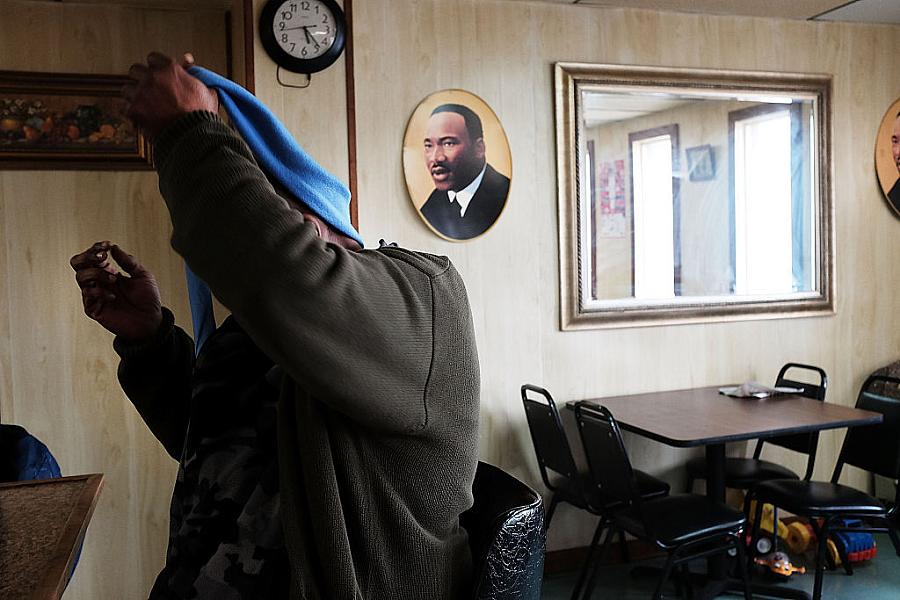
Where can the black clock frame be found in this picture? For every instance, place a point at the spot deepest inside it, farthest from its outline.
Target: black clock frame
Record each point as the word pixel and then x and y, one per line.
pixel 292 63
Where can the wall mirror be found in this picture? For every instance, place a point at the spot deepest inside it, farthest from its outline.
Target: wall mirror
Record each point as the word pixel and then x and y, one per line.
pixel 691 195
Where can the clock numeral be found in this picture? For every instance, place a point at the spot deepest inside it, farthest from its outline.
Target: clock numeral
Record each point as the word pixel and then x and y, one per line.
pixel 287 15
pixel 293 7
pixel 324 18
pixel 284 38
pixel 293 45
pixel 327 30
pixel 304 6
pixel 280 25
pixel 304 52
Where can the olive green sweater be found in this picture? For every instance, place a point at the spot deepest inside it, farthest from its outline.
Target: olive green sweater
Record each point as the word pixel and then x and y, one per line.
pixel 379 383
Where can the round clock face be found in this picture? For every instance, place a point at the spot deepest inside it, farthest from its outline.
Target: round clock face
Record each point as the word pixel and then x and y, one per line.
pixel 304 28
pixel 304 36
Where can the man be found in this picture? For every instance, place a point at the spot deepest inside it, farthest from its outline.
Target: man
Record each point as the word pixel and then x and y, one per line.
pixel 469 194
pixel 894 194
pixel 327 432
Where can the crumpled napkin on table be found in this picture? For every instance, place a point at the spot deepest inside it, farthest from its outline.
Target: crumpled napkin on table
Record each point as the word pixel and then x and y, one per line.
pixel 751 389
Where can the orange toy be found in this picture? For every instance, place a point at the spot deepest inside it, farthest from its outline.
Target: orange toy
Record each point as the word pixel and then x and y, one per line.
pixel 779 564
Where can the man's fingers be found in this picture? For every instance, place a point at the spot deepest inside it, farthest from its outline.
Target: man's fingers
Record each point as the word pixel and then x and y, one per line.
pixel 128 263
pixel 94 277
pixel 94 256
pixel 158 59
pixel 187 60
pixel 94 300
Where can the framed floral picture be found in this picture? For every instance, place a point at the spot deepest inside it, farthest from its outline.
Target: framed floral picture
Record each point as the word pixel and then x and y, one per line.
pixel 67 121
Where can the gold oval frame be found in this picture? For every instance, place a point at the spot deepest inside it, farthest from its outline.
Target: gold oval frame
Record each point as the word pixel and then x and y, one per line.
pixel 418 181
pixel 886 170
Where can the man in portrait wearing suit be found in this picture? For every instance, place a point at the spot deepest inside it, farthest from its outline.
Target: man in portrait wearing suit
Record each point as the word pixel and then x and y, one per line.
pixel 469 194
pixel 894 194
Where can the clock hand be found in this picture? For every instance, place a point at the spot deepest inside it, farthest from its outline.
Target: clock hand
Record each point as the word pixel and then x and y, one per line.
pixel 295 28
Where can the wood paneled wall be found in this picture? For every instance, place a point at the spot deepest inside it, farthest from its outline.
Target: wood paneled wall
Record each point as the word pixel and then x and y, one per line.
pixel 57 368
pixel 504 52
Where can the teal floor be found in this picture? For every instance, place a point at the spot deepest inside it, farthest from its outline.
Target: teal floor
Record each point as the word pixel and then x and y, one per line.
pixel 878 579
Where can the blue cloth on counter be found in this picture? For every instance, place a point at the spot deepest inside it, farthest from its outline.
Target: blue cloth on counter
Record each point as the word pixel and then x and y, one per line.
pixel 23 457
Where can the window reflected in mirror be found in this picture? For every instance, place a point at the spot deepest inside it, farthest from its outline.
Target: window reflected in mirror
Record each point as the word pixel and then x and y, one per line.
pixel 697 195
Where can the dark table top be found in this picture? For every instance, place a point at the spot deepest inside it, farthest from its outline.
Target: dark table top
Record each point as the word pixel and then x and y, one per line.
pixel 703 416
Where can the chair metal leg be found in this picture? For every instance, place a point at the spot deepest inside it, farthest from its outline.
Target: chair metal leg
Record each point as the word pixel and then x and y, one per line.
pixel 820 561
pixel 748 497
pixel 742 565
pixel 623 547
pixel 553 502
pixel 683 578
pixel 845 558
pixel 586 567
pixel 667 569
pixel 603 554
pixel 756 526
pixel 895 540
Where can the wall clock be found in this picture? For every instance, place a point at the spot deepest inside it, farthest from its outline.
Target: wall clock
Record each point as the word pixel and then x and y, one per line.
pixel 303 36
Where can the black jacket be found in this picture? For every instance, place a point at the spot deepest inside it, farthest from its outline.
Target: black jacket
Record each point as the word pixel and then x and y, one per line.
pixel 485 207
pixel 894 196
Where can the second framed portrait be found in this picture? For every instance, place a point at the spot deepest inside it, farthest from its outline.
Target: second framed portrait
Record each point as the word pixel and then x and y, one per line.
pixel 887 156
pixel 457 164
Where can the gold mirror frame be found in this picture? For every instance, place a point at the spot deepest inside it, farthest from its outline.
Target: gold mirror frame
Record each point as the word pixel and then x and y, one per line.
pixel 575 314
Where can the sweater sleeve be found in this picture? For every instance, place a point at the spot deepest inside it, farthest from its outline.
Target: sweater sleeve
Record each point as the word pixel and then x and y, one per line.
pixel 156 377
pixel 353 329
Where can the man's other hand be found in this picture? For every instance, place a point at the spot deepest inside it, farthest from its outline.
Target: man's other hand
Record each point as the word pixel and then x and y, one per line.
pixel 162 90
pixel 126 304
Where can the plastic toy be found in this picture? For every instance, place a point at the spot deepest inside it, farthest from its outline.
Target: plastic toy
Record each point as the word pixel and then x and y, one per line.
pixel 765 545
pixel 856 546
pixel 779 564
pixel 800 537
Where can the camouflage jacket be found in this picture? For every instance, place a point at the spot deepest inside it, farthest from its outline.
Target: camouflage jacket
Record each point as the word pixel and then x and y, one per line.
pixel 225 533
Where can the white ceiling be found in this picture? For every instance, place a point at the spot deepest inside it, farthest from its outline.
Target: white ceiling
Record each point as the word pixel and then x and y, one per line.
pixel 863 11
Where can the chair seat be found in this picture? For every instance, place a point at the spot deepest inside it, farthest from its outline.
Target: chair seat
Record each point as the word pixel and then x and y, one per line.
pixel 682 518
pixel 649 487
pixel 742 473
pixel 817 498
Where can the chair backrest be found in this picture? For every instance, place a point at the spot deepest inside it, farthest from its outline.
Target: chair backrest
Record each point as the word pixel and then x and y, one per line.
pixel 604 449
pixel 547 434
pixel 506 535
pixel 874 448
pixel 807 443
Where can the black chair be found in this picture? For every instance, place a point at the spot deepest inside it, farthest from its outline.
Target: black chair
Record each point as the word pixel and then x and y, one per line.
pixel 874 448
pixel 567 484
pixel 686 526
pixel 742 473
pixel 506 536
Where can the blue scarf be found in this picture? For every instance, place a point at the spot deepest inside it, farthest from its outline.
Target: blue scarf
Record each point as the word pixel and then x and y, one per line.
pixel 283 161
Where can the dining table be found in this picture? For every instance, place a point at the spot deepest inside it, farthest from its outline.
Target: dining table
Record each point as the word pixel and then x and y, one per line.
pixel 704 416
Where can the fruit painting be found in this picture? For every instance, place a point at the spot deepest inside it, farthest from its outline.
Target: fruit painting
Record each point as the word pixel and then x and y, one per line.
pixel 60 121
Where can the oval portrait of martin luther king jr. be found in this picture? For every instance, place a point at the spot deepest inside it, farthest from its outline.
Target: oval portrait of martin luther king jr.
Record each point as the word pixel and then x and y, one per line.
pixel 457 164
pixel 887 156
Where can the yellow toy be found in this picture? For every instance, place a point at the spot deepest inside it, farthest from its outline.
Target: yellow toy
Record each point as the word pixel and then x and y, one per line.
pixel 800 537
pixel 768 514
